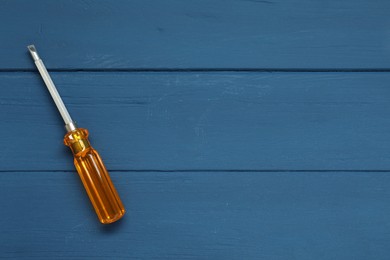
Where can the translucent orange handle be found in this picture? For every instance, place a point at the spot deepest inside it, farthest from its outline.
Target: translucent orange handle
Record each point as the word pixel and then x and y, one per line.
pixel 93 174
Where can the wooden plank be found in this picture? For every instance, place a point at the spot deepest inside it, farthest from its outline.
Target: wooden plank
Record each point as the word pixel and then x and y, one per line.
pixel 300 34
pixel 180 121
pixel 186 215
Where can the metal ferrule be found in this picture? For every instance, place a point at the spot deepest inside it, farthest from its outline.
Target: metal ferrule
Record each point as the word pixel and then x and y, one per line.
pixel 71 126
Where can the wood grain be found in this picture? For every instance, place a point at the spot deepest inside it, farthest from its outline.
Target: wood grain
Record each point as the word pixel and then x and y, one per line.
pixel 190 215
pixel 233 129
pixel 202 121
pixel 219 34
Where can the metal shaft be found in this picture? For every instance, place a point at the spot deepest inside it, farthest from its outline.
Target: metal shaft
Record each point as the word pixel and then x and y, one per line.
pixel 69 123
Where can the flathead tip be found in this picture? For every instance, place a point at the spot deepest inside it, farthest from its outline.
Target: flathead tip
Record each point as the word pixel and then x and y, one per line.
pixel 33 52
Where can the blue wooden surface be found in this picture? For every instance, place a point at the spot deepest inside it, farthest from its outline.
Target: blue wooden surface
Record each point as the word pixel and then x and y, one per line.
pixel 223 138
pixel 300 34
pixel 204 121
pixel 200 215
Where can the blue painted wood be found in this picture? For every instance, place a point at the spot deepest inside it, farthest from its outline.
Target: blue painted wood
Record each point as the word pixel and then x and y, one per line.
pixel 200 215
pixel 197 34
pixel 182 124
pixel 218 121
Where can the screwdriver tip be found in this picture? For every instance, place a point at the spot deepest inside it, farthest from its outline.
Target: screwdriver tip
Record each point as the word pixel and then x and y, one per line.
pixel 33 52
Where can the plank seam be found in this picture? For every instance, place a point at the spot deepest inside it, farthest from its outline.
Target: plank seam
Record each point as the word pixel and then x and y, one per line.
pixel 201 70
pixel 205 170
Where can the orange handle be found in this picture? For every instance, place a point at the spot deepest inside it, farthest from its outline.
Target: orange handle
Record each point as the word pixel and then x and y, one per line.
pixel 95 178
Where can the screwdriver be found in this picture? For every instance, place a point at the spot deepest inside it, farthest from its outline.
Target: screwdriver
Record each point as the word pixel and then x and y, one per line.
pixel 89 165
